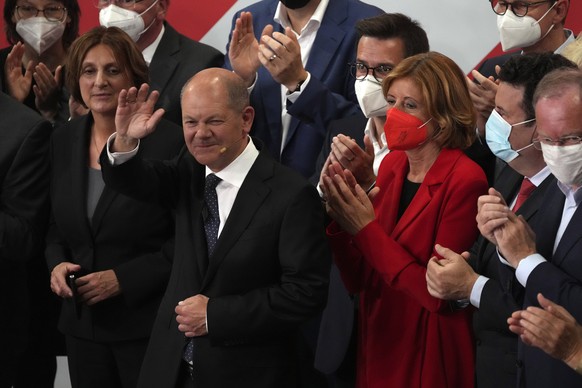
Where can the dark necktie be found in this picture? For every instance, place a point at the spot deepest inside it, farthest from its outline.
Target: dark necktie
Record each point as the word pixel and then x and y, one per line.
pixel 212 219
pixel 524 192
pixel 211 223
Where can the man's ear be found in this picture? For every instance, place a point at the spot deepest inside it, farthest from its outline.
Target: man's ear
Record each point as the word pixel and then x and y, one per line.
pixel 162 9
pixel 561 8
pixel 248 115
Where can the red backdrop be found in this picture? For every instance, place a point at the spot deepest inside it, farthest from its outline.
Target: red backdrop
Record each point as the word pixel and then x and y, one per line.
pixel 195 18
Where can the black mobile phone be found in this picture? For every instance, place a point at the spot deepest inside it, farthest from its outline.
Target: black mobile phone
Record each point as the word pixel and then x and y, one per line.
pixel 71 282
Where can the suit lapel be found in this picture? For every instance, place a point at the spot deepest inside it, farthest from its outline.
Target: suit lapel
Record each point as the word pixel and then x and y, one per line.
pixel 249 198
pixel 572 235
pixel 79 158
pixel 163 63
pixel 198 238
pixel 327 41
pixel 548 220
pixel 105 200
pixel 431 183
pixel 508 183
pixel 532 204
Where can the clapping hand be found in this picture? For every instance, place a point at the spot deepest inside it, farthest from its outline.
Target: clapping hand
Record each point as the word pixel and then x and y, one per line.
pixel 243 51
pixel 18 84
pixel 346 202
pixel 46 90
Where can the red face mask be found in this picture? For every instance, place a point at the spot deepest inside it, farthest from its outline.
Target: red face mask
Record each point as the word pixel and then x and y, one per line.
pixel 403 131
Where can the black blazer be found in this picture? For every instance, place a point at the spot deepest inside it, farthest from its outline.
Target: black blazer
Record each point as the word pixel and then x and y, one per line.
pixel 175 61
pixel 24 139
pixel 560 280
pixel 268 272
pixel 124 235
pixel 496 350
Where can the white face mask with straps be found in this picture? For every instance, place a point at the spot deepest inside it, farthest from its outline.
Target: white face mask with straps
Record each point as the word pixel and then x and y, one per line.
pixel 519 32
pixel 565 162
pixel 130 22
pixel 40 33
pixel 370 97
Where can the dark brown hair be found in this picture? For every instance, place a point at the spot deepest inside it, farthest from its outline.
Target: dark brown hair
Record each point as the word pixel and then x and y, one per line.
pixel 129 58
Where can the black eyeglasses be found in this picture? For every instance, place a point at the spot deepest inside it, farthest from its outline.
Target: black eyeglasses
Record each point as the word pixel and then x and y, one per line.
pixel 519 8
pixel 359 71
pixel 52 14
pixel 563 141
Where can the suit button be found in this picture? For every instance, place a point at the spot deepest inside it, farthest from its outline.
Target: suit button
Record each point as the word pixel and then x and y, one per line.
pixel 478 342
pixel 519 364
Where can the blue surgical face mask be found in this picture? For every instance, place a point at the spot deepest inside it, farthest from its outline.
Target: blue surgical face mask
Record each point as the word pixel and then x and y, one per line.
pixel 497 132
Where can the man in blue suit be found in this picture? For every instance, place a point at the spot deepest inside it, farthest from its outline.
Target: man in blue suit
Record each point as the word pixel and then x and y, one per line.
pixel 294 54
pixel 547 262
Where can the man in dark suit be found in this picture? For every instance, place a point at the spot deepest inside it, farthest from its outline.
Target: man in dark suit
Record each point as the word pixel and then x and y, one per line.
pixel 251 259
pixel 298 71
pixel 24 202
pixel 482 283
pixel 547 261
pixel 172 57
pixel 547 17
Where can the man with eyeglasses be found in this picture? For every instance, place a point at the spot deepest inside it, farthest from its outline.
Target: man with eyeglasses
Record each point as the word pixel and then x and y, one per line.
pixel 172 57
pixel 522 183
pixel 547 259
pixel 532 27
pixel 294 54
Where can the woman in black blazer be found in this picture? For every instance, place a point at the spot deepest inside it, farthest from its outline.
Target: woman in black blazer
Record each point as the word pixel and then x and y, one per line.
pixel 115 246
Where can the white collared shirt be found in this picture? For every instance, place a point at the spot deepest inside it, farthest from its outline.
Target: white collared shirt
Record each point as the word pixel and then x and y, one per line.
pixel 306 37
pixel 379 151
pixel 233 177
pixel 148 52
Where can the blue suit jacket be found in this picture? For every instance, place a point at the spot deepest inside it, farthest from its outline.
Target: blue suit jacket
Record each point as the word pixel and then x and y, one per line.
pixel 329 94
pixel 560 280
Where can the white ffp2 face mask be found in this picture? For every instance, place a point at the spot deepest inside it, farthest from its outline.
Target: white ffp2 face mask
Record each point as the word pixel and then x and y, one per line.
pixel 565 162
pixel 370 97
pixel 129 21
pixel 39 33
pixel 519 32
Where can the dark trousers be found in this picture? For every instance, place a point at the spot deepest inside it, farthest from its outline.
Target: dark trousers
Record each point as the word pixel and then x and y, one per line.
pixel 98 365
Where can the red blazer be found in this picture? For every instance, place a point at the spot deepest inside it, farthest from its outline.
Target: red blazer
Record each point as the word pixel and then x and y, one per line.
pixel 408 338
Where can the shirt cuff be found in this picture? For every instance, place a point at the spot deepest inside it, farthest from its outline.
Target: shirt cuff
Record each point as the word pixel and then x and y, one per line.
pixel 117 158
pixel 252 87
pixel 477 290
pixel 501 259
pixel 526 266
pixel 293 96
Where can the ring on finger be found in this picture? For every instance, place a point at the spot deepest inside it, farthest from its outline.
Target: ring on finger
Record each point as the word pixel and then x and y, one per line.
pixel 272 57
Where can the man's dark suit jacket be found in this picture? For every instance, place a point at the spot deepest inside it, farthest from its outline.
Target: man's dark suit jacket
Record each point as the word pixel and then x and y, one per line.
pixel 175 61
pixel 329 95
pixel 496 346
pixel 267 275
pixel 560 280
pixel 124 235
pixel 24 139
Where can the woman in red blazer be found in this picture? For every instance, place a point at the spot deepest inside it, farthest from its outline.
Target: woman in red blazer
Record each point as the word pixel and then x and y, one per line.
pixel 426 194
